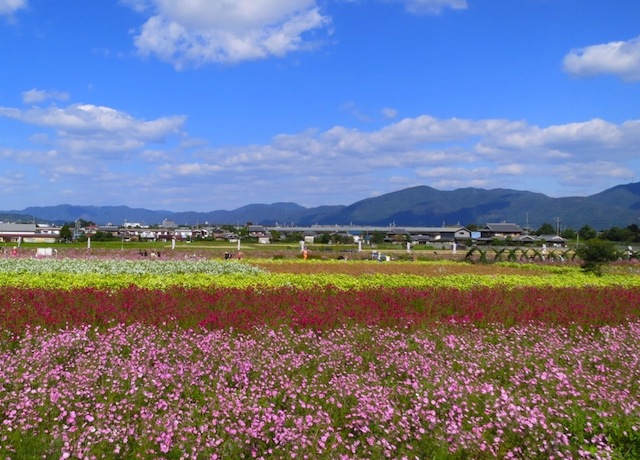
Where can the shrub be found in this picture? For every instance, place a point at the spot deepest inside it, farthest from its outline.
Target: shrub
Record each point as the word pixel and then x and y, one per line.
pixel 595 253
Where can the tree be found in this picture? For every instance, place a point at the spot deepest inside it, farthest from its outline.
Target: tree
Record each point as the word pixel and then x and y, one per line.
pixel 294 237
pixel 617 234
pixel 377 237
pixel 635 232
pixel 568 234
pixel 65 233
pixel 595 253
pixel 104 236
pixel 586 233
pixel 341 239
pixel 85 223
pixel 546 229
pixel 275 235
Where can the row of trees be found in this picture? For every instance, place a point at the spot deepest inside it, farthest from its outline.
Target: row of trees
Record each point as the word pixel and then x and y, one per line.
pixel 628 234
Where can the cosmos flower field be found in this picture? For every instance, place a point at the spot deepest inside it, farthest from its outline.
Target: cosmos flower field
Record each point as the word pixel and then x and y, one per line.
pixel 204 359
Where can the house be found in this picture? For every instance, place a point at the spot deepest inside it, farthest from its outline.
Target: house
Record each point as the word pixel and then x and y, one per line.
pixel 219 234
pixel 28 233
pixel 526 239
pixel 310 236
pixel 500 231
pixel 440 235
pixel 261 233
pixel 396 235
pixel 554 240
pixel 114 230
pixel 421 239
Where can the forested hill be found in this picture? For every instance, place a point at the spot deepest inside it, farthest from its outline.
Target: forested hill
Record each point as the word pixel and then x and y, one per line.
pixel 417 206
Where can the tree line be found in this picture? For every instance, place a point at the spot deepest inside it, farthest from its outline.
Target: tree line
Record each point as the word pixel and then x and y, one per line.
pixel 628 234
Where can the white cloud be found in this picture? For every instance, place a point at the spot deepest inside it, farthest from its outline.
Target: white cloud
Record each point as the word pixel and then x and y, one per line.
pixel 621 58
pixel 460 173
pixel 193 32
pixel 153 156
pixel 333 165
pixel 34 96
pixel 190 33
pixel 352 109
pixel 71 170
pixel 448 152
pixel 513 169
pixel 85 128
pixel 389 112
pixel 80 119
pixel 8 7
pixel 137 5
pixel 583 174
pixel 587 140
pixel 431 6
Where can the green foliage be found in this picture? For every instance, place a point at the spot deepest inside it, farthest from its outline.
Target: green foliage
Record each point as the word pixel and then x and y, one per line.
pixel 619 234
pixel 595 253
pixel 569 234
pixel 294 237
pixel 85 223
pixel 546 229
pixel 65 233
pixel 376 237
pixel 100 236
pixel 586 233
pixel 33 445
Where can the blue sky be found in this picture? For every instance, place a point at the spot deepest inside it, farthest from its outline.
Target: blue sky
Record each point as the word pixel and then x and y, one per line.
pixel 214 104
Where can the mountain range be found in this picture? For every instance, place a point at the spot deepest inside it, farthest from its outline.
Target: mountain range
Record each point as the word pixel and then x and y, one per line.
pixel 618 206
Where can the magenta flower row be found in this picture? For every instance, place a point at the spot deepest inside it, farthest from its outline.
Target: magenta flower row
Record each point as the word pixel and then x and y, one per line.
pixel 455 391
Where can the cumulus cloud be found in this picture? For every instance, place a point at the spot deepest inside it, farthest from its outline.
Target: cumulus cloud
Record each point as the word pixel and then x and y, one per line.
pixel 588 139
pixel 583 174
pixel 339 162
pixel 192 32
pixel 447 153
pixel 87 127
pixel 620 58
pixel 8 7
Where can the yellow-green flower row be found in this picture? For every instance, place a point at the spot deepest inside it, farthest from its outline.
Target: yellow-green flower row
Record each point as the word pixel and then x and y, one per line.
pixel 264 280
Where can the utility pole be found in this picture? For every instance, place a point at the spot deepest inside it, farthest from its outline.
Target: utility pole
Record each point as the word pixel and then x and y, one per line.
pixel 557 225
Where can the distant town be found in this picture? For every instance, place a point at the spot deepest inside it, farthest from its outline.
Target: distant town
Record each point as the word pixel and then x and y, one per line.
pixel 443 237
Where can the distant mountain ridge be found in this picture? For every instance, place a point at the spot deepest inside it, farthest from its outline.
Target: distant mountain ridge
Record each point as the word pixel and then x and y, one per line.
pixel 618 206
